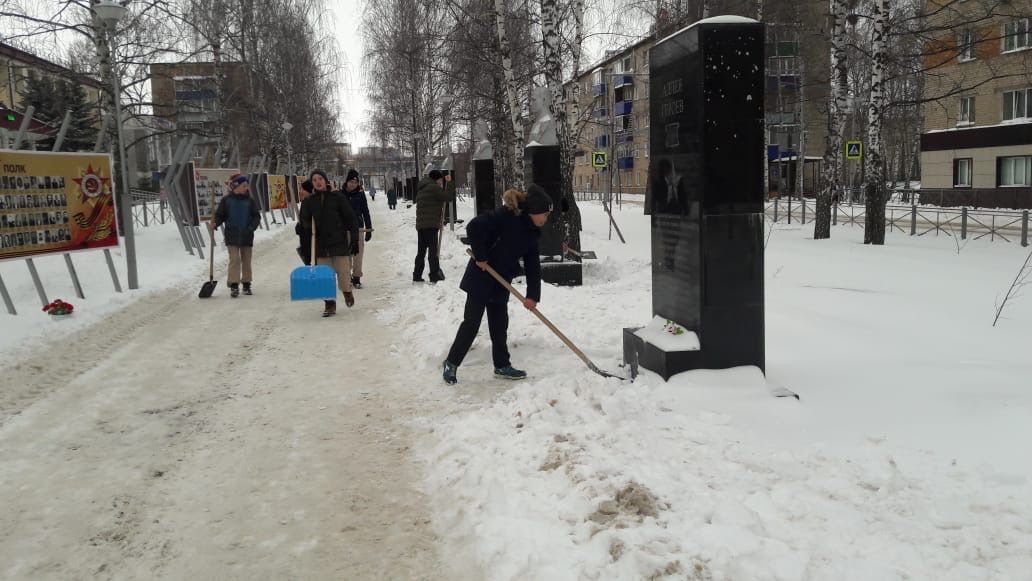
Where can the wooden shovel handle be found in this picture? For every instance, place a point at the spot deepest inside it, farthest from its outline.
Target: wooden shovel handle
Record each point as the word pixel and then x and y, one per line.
pixel 314 260
pixel 543 318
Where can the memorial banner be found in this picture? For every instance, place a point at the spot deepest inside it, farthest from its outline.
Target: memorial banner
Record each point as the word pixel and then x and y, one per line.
pixel 277 192
pixel 52 203
pixel 210 185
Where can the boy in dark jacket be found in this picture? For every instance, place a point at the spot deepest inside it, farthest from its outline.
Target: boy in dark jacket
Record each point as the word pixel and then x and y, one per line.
pixel 431 197
pixel 336 233
pixel 356 195
pixel 392 199
pixel 241 216
pixel 304 242
pixel 499 240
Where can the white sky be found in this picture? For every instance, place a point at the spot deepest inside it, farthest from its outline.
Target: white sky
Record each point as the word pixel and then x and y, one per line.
pixel 347 20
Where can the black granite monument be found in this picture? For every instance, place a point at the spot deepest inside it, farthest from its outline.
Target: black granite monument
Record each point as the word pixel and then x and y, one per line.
pixel 484 189
pixel 541 167
pixel 706 192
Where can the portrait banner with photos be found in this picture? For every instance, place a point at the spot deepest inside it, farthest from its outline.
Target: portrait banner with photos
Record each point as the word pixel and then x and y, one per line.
pixel 210 184
pixel 52 203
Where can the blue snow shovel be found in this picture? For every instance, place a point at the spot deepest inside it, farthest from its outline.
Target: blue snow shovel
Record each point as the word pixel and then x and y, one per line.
pixel 313 283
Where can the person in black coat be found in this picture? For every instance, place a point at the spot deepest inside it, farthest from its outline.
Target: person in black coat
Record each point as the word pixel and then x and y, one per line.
pixel 336 233
pixel 241 216
pixel 500 239
pixel 304 242
pixel 356 195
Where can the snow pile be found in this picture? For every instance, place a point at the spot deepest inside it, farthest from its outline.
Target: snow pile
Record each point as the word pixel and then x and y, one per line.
pixel 899 462
pixel 668 336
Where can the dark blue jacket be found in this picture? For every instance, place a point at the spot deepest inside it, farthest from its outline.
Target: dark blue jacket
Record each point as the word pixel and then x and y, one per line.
pixel 361 207
pixel 502 238
pixel 241 217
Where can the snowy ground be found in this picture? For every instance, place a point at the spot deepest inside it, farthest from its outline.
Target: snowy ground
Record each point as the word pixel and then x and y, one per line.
pixel 172 438
pixel 903 460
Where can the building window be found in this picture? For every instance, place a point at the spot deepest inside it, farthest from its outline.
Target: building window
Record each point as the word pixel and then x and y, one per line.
pixel 1016 104
pixel 966 115
pixel 966 44
pixel 962 173
pixel 1015 171
pixel 1017 35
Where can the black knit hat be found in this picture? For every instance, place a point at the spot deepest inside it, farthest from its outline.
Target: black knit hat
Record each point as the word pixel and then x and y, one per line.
pixel 352 175
pixel 307 186
pixel 319 172
pixel 538 201
pixel 435 175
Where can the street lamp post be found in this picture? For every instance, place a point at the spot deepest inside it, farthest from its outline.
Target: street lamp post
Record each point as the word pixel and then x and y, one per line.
pixel 109 13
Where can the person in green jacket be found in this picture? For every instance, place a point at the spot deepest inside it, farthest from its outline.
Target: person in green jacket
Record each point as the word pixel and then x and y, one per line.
pixel 431 197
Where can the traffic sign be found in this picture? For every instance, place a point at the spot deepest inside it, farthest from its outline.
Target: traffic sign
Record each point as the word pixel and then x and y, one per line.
pixel 854 150
pixel 599 159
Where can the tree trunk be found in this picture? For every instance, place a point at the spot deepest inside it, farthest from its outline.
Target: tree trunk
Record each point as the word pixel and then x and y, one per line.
pixel 833 155
pixel 512 95
pixel 801 111
pixel 874 230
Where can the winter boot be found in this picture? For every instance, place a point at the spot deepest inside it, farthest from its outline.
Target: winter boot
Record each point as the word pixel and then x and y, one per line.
pixel 418 278
pixel 356 282
pixel 349 299
pixel 510 373
pixel 234 290
pixel 449 373
pixel 247 289
pixel 437 276
pixel 331 309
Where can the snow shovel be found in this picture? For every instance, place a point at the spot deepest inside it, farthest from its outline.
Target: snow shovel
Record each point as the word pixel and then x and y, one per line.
pixel 209 287
pixel 313 283
pixel 548 323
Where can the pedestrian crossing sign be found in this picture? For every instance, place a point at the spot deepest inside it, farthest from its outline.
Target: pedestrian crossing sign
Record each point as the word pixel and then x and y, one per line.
pixel 598 159
pixel 854 149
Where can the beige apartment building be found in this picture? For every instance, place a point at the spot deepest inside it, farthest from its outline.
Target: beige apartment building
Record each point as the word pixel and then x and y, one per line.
pixel 977 145
pixel 16 66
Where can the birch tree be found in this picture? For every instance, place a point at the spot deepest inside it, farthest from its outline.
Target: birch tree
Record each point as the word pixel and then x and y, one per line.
pixel 833 155
pixel 875 187
pixel 512 92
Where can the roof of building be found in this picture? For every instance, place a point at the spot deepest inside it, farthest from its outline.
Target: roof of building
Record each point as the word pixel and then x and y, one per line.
pixel 28 58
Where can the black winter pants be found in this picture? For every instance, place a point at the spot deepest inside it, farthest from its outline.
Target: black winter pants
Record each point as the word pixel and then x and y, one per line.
pixel 427 243
pixel 497 324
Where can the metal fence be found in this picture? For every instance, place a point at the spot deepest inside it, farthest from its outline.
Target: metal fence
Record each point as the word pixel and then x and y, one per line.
pixel 148 208
pixel 1009 226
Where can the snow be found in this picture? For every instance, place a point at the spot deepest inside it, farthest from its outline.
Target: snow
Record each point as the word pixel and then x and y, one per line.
pixel 162 263
pixel 657 334
pixel 902 459
pixel 1019 121
pixel 727 19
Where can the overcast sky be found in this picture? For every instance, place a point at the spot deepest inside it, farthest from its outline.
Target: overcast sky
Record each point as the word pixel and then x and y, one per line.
pixel 347 15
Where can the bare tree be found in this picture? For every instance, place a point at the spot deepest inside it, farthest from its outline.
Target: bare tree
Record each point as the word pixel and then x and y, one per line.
pixel 836 123
pixel 875 187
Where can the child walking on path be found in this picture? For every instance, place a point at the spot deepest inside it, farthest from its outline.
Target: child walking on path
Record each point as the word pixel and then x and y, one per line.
pixel 499 240
pixel 336 234
pixel 356 195
pixel 241 216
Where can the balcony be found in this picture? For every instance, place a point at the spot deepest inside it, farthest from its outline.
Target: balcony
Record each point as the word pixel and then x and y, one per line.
pixel 625 163
pixel 599 90
pixel 601 141
pixel 623 81
pixel 624 107
pixel 623 138
pixel 788 82
pixel 600 113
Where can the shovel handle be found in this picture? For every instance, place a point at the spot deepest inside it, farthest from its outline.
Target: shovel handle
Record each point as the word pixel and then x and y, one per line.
pixel 314 260
pixel 534 310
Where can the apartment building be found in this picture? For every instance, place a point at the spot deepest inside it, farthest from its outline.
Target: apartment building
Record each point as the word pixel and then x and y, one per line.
pixel 977 145
pixel 16 66
pixel 609 102
pixel 185 95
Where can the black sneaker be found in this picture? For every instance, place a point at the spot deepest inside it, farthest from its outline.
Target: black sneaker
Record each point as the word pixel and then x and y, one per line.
pixel 356 282
pixel 234 290
pixel 510 373
pixel 449 373
pixel 330 309
pixel 247 289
